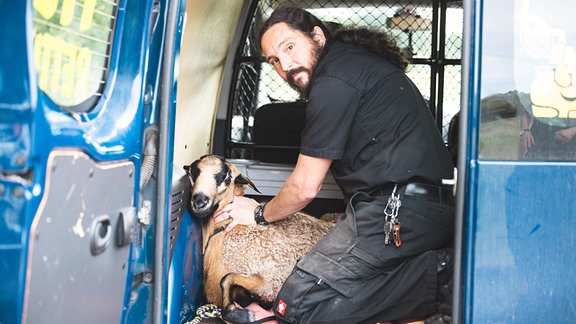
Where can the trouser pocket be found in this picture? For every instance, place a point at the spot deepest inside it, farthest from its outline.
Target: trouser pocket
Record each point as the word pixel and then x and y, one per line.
pixel 315 279
pixel 293 298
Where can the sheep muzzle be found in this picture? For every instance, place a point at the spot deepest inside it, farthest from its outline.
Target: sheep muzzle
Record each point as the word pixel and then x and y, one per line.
pixel 201 206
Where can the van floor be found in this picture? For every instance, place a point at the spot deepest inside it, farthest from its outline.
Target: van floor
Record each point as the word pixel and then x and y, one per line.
pixel 434 319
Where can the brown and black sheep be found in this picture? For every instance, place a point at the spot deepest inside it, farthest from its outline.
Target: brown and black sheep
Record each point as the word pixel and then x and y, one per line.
pixel 256 258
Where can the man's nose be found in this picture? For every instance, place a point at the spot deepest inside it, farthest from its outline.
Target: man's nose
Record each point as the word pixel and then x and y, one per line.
pixel 286 63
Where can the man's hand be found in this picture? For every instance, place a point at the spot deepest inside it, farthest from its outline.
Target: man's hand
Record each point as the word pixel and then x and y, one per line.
pixel 240 210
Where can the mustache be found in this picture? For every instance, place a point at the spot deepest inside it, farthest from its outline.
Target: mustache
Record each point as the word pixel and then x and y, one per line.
pixel 290 74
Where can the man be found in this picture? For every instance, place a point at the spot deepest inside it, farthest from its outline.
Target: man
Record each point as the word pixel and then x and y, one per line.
pixel 368 124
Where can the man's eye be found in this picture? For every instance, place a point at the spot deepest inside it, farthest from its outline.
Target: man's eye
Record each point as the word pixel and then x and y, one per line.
pixel 290 47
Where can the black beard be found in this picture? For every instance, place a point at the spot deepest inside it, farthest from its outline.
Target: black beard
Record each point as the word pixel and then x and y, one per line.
pixel 317 54
pixel 291 73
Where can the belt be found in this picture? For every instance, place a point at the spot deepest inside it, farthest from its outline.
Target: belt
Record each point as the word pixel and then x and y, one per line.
pixel 427 191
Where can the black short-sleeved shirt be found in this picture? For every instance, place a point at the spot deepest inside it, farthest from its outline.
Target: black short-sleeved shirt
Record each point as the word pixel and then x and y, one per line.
pixel 369 118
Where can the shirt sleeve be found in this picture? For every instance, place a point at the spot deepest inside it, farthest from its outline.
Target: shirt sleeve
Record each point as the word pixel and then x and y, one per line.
pixel 330 111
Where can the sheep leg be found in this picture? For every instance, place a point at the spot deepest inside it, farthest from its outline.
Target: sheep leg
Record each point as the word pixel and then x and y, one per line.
pixel 237 287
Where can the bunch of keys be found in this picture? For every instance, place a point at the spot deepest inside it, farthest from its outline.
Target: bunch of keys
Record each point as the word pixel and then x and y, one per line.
pixel 391 223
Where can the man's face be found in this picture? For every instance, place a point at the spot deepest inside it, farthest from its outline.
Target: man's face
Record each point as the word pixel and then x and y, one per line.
pixel 293 54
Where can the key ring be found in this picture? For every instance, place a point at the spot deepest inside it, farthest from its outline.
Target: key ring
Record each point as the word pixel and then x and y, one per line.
pixel 391 224
pixel 393 205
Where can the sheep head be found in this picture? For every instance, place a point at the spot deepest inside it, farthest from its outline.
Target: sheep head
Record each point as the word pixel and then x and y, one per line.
pixel 214 182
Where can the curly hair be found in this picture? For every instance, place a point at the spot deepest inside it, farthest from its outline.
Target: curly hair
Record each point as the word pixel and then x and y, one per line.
pixel 379 43
pixel 373 41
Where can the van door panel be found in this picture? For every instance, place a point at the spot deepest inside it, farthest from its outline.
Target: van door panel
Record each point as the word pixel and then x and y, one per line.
pixel 78 256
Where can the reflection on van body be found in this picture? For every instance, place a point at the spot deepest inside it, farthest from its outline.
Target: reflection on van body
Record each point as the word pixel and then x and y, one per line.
pixel 529 72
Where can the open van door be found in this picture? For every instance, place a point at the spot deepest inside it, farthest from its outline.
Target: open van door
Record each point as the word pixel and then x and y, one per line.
pixel 517 183
pixel 86 180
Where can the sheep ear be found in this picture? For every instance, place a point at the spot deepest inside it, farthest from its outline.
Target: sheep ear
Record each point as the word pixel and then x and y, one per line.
pixel 241 179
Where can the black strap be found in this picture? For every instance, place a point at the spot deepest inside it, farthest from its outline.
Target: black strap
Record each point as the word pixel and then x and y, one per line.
pixel 216 231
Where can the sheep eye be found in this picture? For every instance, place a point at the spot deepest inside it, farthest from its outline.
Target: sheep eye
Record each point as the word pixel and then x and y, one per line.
pixel 223 177
pixel 228 178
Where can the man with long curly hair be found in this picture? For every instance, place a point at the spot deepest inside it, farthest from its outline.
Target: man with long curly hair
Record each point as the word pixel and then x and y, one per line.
pixel 368 124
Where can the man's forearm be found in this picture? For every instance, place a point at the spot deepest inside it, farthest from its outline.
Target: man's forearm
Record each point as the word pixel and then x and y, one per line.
pixel 299 189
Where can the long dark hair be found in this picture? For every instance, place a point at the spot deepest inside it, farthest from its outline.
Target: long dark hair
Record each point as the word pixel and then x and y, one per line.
pixel 373 41
pixel 296 18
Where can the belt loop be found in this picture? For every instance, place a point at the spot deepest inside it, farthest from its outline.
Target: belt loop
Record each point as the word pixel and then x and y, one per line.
pixel 388 189
pixel 440 191
pixel 400 189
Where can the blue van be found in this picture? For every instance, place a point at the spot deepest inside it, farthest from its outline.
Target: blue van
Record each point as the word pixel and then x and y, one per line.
pixel 103 102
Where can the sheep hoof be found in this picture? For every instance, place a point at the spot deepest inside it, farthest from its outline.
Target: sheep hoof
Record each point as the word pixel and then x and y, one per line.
pixel 233 314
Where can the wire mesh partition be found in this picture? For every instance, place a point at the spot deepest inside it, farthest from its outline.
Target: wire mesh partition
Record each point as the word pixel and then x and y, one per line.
pixel 429 32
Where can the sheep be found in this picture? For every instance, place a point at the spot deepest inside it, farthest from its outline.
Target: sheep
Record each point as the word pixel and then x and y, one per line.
pixel 256 258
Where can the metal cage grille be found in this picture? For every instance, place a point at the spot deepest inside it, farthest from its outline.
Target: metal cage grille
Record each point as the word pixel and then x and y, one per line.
pixel 430 32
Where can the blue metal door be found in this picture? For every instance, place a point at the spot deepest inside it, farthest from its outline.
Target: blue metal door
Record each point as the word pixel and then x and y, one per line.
pixel 80 114
pixel 518 188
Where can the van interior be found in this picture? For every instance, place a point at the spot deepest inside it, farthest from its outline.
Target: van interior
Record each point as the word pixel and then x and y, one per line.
pixel 232 103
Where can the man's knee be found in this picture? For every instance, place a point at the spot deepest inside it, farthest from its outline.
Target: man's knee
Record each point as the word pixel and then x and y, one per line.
pixel 300 297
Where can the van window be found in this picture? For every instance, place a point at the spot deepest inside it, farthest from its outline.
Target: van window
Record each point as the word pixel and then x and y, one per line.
pixel 528 105
pixel 72 44
pixel 434 50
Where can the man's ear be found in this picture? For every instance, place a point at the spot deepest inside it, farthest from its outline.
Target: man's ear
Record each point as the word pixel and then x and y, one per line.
pixel 319 36
pixel 241 179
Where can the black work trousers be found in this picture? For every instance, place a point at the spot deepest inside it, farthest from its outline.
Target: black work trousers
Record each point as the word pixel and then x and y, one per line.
pixel 351 276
